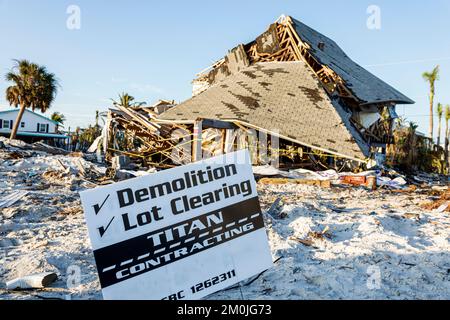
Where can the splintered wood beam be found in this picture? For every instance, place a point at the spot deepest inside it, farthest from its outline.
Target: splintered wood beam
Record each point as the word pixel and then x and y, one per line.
pixel 130 154
pixel 247 130
pixel 293 33
pixel 302 53
pixel 161 165
pixel 197 141
pixel 282 34
pixel 136 128
pixel 139 118
pixel 278 181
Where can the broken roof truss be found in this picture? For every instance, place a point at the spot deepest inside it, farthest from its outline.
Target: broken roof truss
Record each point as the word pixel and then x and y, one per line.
pixel 290 40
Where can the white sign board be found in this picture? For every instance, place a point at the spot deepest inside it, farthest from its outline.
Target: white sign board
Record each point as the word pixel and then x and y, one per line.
pixel 183 233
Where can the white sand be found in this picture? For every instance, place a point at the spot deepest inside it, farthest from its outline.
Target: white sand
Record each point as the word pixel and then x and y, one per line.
pixel 411 255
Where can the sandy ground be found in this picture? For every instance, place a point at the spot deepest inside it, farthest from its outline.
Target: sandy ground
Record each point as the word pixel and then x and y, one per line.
pixel 376 245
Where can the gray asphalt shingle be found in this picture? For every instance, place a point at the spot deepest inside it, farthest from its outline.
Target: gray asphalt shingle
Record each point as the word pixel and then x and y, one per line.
pixel 285 96
pixel 364 85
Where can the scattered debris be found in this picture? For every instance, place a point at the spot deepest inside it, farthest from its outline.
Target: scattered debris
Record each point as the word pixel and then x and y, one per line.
pixel 12 198
pixel 320 235
pixel 328 232
pixel 442 208
pixel 306 242
pixel 354 180
pixel 414 216
pixel 70 211
pixel 441 204
pixel 319 183
pixel 275 209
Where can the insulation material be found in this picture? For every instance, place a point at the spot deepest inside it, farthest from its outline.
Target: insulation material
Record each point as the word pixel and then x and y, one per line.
pixel 367 119
pixel 230 139
pixel 94 146
pixel 106 134
pixel 268 41
pixel 211 143
pixel 392 113
pixel 199 86
pixel 181 153
pixel 242 142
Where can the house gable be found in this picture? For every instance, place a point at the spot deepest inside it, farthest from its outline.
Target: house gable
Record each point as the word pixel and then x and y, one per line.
pixel 31 122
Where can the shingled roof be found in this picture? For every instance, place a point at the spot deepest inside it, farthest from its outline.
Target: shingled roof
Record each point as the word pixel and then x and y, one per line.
pixel 364 85
pixel 283 97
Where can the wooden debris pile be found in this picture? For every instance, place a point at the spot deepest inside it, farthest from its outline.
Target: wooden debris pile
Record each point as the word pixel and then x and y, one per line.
pixel 134 132
pixel 441 204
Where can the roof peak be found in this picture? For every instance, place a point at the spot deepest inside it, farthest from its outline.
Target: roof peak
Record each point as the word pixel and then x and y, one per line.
pixel 28 110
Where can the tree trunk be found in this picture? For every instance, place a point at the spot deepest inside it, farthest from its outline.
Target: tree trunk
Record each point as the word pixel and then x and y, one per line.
pixel 17 123
pixel 446 144
pixel 431 114
pixel 439 132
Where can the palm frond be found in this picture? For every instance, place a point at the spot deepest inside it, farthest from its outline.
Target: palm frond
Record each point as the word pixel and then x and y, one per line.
pixel 440 110
pixel 34 87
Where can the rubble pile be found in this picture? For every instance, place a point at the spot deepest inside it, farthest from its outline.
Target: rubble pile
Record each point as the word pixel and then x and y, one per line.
pixel 339 240
pixel 440 200
pixel 42 227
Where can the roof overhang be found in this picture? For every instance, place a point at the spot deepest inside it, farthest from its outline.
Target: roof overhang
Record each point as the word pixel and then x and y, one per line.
pixel 392 102
pixel 42 135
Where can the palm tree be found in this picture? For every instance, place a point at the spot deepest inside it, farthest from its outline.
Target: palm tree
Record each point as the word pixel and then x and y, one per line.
pixel 97 116
pixel 58 117
pixel 447 118
pixel 431 78
pixel 412 143
pixel 127 101
pixel 33 88
pixel 440 112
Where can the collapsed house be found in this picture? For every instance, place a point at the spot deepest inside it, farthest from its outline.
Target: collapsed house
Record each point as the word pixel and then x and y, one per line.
pixel 292 95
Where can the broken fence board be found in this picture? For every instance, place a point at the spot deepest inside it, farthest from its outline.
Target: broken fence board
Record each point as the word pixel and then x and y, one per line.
pixel 34 281
pixel 319 183
pixel 12 198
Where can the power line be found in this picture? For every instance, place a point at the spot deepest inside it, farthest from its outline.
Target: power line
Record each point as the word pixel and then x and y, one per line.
pixel 419 115
pixel 406 62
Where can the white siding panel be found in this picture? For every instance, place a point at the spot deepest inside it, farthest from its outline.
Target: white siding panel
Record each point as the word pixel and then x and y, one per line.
pixel 31 121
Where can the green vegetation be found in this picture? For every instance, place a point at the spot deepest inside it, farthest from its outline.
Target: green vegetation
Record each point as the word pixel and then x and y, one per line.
pixel 33 87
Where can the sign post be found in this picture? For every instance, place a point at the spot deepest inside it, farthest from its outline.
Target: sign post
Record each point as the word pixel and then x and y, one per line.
pixel 182 233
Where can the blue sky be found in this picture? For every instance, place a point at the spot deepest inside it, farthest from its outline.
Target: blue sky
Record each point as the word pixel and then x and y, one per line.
pixel 153 49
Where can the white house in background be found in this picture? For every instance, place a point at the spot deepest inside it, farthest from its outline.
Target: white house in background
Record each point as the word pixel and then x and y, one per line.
pixel 33 127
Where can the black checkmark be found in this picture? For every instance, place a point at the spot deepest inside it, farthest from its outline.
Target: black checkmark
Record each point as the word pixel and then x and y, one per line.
pixel 97 208
pixel 102 230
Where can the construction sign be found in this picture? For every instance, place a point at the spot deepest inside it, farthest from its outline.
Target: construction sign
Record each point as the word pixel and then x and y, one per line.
pixel 182 233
